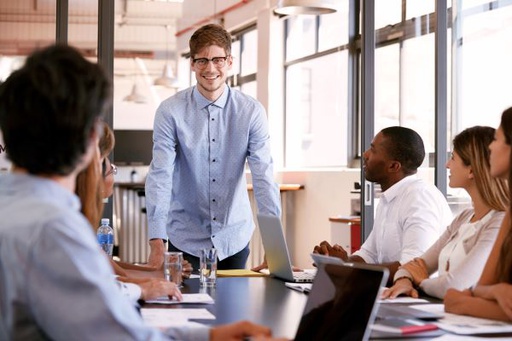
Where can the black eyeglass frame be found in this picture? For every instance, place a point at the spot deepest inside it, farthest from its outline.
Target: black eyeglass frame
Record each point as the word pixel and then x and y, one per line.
pixel 218 62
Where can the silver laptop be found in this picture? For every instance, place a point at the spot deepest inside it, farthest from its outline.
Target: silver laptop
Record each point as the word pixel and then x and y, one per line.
pixel 343 302
pixel 276 251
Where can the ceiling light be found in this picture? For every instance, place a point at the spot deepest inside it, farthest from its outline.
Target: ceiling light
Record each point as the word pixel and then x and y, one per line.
pixel 314 7
pixel 135 96
pixel 167 78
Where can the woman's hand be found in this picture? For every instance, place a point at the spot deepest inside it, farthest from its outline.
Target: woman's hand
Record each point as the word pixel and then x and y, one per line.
pixel 403 286
pixel 502 293
pixel 418 270
pixel 455 301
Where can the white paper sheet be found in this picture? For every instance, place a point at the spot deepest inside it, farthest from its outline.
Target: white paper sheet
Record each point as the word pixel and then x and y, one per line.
pixel 465 325
pixel 165 318
pixel 409 300
pixel 187 298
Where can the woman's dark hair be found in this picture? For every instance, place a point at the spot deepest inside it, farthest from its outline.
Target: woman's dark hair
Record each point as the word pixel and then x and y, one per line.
pixel 504 270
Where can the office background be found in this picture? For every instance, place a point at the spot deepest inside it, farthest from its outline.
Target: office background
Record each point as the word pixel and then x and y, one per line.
pixel 328 82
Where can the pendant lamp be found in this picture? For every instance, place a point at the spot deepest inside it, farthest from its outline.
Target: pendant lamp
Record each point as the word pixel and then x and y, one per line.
pixel 135 95
pixel 312 7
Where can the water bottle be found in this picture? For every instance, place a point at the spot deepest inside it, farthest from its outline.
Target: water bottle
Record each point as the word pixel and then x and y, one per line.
pixel 105 236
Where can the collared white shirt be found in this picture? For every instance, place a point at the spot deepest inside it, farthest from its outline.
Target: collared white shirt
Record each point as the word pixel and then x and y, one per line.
pixel 411 215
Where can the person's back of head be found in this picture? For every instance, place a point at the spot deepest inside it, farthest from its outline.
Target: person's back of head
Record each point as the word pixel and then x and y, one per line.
pixel 49 108
pixel 208 35
pixel 405 146
pixel 472 146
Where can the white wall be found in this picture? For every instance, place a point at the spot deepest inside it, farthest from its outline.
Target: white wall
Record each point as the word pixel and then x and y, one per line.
pixel 326 194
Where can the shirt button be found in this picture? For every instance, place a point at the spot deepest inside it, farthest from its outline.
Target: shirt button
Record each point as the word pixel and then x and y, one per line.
pixel 213 180
pixel 213 236
pixel 214 218
pixel 213 119
pixel 213 140
pixel 213 200
pixel 213 160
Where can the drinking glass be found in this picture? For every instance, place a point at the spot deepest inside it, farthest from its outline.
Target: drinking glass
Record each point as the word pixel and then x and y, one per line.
pixel 173 267
pixel 208 267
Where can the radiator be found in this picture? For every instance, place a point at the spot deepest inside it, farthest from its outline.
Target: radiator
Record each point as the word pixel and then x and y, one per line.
pixel 130 223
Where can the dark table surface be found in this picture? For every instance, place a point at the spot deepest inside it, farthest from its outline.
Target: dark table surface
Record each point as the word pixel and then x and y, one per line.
pixel 262 300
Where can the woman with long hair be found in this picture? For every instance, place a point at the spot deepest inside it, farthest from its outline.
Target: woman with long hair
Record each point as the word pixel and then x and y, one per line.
pixel 459 255
pixel 491 297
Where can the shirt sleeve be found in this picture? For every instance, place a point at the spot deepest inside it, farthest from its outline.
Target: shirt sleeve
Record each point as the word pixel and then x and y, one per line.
pixel 470 269
pixel 70 280
pixel 423 222
pixel 160 175
pixel 259 158
pixel 368 251
pixel 130 290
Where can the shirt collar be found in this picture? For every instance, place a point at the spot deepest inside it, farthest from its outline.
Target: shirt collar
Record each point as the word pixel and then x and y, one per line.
pixel 30 185
pixel 203 102
pixel 395 190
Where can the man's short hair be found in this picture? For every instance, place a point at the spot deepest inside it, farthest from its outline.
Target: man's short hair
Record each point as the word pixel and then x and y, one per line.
pixel 49 107
pixel 405 146
pixel 208 35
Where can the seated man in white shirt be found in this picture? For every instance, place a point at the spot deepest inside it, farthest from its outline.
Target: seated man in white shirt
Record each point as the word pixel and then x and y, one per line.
pixel 54 283
pixel 411 214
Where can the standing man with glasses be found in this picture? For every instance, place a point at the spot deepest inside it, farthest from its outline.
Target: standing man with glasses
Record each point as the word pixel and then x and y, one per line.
pixel 196 191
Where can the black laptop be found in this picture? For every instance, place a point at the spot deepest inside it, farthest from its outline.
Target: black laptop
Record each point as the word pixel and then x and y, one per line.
pixel 343 302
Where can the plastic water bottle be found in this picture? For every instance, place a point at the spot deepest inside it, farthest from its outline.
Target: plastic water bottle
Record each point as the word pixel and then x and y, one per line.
pixel 105 236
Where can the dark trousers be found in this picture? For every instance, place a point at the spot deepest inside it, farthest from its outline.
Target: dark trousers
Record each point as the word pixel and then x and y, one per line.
pixel 237 261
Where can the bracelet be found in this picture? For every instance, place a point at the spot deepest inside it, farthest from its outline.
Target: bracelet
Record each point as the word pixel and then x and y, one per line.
pixel 402 277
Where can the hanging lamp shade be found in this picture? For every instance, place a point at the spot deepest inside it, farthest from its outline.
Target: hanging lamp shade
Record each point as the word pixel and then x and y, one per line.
pixel 167 78
pixel 314 7
pixel 135 96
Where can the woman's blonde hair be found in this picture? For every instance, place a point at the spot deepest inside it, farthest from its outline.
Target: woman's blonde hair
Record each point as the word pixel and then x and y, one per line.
pixel 472 145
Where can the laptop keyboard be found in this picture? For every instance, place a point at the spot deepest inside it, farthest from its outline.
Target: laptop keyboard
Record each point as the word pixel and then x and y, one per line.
pixel 303 276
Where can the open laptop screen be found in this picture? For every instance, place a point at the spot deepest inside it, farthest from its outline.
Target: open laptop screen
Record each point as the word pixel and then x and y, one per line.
pixel 342 303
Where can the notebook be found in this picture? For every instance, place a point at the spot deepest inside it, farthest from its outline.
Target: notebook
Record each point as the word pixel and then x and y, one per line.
pixel 276 251
pixel 343 302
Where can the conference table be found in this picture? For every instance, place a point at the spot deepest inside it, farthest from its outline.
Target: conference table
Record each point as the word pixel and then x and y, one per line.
pixel 262 300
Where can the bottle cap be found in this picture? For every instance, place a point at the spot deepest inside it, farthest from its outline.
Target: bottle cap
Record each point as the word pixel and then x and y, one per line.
pixel 105 221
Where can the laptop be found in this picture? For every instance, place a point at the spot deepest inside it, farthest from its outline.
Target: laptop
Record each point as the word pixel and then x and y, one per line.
pixel 276 251
pixel 343 302
pixel 319 259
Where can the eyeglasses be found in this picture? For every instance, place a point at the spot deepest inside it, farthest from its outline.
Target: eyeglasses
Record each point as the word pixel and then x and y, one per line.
pixel 202 63
pixel 112 170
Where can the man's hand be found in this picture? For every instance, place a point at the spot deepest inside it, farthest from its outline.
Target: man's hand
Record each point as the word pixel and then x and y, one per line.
pixel 157 287
pixel 418 270
pixel 240 331
pixel 334 251
pixel 402 286
pixel 261 266
pixel 156 255
pixel 187 269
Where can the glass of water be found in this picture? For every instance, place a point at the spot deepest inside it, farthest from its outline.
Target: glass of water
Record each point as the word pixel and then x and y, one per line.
pixel 173 267
pixel 208 267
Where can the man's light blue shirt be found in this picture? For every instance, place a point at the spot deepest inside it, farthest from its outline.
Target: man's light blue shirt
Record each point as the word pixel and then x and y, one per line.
pixel 55 284
pixel 196 189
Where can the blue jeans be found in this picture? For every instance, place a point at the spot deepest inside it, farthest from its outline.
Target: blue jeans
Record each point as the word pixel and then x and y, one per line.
pixel 237 261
